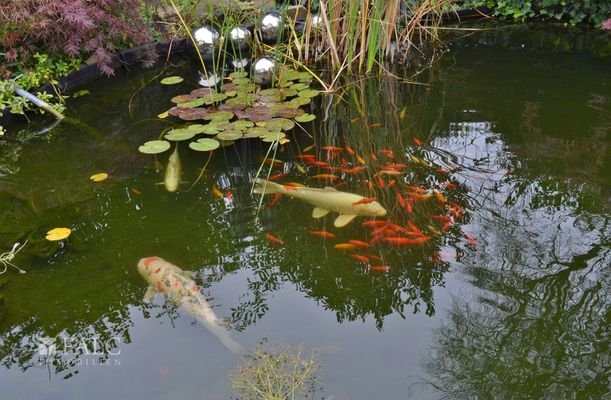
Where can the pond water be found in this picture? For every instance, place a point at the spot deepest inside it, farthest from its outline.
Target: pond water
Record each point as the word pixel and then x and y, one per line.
pixel 506 142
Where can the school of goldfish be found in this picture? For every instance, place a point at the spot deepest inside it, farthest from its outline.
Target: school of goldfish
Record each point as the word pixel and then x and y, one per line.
pixel 418 215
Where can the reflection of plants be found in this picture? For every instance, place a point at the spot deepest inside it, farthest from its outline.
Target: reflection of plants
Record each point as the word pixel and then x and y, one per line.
pixel 283 373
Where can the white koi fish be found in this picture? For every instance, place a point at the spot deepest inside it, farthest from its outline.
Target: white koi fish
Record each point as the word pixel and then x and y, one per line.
pixel 173 172
pixel 181 290
pixel 326 200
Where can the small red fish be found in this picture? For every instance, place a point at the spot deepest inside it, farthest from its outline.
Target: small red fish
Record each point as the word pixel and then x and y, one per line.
pixel 417 141
pixel 275 199
pixel 373 257
pixel 414 228
pixel 375 223
pixel 339 185
pixel 360 258
pixel 331 148
pixel 353 170
pixel 317 163
pixel 380 268
pixel 136 192
pixel 365 200
pixel 387 153
pixel 349 150
pixel 306 156
pixel 471 240
pixel 277 176
pixel 402 241
pixel 217 192
pixel 376 125
pixel 391 183
pixel 380 182
pixel 326 177
pixel 373 157
pixel 274 239
pixel 359 243
pixel 323 234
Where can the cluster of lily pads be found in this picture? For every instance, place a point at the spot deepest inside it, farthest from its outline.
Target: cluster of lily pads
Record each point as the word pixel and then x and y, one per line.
pixel 240 109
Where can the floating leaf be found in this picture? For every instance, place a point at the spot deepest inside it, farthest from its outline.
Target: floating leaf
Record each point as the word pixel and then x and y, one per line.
pixel 197 128
pixel 194 103
pixel 213 98
pixel 305 118
pixel 202 92
pixel 289 113
pixel 154 147
pixel 58 234
pixel 309 93
pixel 219 116
pixel 301 101
pixel 299 86
pixel 278 124
pixel 204 144
pixel 177 135
pixel 229 135
pixel 102 176
pixel 225 143
pixel 273 136
pixel 256 132
pixel 210 130
pixel 171 80
pixel 243 124
pixel 183 98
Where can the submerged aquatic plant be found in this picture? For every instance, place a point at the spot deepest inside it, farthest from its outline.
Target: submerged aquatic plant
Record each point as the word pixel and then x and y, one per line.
pixel 7 258
pixel 283 373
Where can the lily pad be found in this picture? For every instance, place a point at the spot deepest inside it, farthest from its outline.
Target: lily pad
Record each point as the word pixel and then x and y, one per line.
pixel 301 101
pixel 102 176
pixel 243 124
pixel 256 132
pixel 273 136
pixel 305 118
pixel 204 144
pixel 193 103
pixel 171 80
pixel 213 98
pixel 299 86
pixel 202 92
pixel 308 93
pixel 211 130
pixel 278 124
pixel 154 147
pixel 219 116
pixel 58 234
pixel 177 135
pixel 197 128
pixel 229 135
pixel 183 98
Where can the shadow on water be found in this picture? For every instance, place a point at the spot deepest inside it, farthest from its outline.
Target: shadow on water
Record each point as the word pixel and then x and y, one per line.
pixel 509 183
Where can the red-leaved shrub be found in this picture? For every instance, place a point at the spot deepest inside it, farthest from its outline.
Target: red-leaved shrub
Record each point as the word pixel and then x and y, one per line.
pixel 77 28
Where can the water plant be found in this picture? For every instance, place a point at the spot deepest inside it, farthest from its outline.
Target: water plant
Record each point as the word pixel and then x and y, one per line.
pixel 6 258
pixel 279 374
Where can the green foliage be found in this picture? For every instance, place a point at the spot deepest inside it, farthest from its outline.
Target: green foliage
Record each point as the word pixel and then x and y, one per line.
pixel 586 11
pixel 45 69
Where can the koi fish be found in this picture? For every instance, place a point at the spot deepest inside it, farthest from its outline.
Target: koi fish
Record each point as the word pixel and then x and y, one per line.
pixel 173 171
pixel 365 200
pixel 325 201
pixel 178 287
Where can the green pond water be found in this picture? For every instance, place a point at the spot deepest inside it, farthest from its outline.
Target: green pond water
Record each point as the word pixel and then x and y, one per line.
pixel 510 301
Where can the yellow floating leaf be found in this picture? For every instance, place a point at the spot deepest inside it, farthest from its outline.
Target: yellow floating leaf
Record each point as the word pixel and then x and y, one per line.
pixel 58 234
pixel 99 177
pixel 163 115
